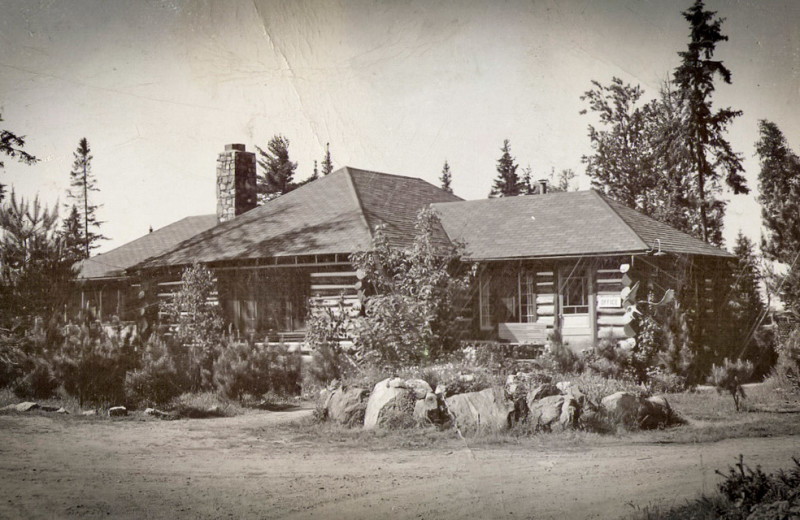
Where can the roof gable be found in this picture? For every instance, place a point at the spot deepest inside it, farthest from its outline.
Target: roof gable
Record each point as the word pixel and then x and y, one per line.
pixel 333 214
pixel 113 263
pixel 558 225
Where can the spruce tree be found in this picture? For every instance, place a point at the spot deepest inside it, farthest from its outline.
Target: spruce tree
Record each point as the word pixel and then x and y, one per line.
pixel 704 143
pixel 82 185
pixel 278 171
pixel 507 183
pixel 779 195
pixel 446 179
pixel 327 164
pixel 72 234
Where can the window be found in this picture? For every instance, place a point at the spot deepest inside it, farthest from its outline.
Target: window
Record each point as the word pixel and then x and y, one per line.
pixel 527 297
pixel 576 295
pixel 484 297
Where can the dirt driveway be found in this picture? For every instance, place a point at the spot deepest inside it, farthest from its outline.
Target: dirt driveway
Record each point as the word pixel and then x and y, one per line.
pixel 229 468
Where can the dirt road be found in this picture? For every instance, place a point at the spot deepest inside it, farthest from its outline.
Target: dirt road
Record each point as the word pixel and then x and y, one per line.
pixel 229 468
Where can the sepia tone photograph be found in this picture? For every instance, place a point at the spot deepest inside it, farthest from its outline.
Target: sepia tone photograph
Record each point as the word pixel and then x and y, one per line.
pixel 361 259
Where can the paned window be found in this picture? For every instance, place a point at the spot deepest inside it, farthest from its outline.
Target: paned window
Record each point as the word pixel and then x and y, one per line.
pixel 576 295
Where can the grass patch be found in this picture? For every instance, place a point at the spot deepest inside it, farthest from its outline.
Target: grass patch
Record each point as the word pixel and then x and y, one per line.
pixel 203 406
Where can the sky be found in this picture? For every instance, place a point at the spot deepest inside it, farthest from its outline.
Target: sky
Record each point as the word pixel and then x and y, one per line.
pixel 159 87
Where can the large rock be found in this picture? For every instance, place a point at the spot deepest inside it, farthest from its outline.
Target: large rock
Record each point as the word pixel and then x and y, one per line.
pixel 419 387
pixel 542 391
pixel 383 396
pixel 633 411
pixel 27 406
pixel 485 409
pixel 555 412
pixel 117 411
pixel 346 406
pixel 655 412
pixel 428 410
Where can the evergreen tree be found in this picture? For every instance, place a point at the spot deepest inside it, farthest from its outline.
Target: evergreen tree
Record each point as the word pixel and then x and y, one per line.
pixel 35 271
pixel 72 234
pixel 82 185
pixel 623 165
pixel 12 146
pixel 315 174
pixel 528 187
pixel 703 140
pixel 446 178
pixel 747 306
pixel 278 171
pixel 779 195
pixel 507 183
pixel 327 164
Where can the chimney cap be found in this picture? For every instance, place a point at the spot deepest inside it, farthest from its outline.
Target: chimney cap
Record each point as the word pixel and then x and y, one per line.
pixel 238 147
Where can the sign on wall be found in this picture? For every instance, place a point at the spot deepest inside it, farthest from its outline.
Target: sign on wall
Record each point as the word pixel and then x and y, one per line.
pixel 609 301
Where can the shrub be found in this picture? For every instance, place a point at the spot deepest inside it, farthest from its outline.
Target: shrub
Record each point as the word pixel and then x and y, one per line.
pixel 92 366
pixel 38 381
pixel 158 379
pixel 327 328
pixel 417 294
pixel 255 369
pixel 201 406
pixel 196 325
pixel 559 358
pixel 747 489
pixel 729 377
pixel 788 365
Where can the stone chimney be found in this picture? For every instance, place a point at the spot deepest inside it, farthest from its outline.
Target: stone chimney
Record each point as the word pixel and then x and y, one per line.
pixel 236 182
pixel 542 185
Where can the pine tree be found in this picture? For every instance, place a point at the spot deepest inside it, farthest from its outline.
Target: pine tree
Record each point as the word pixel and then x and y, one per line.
pixel 507 183
pixel 12 146
pixel 446 179
pixel 779 195
pixel 278 171
pixel 704 143
pixel 327 164
pixel 35 272
pixel 746 302
pixel 315 173
pixel 82 185
pixel 72 234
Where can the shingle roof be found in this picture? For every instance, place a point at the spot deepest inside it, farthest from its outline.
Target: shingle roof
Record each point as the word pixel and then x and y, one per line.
pixel 559 224
pixel 334 214
pixel 113 263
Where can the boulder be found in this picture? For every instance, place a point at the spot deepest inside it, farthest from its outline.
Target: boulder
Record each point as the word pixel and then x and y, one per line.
pixel 62 410
pixel 383 395
pixel 396 382
pixel 634 411
pixel 563 386
pixel 88 413
pixel 153 412
pixel 655 412
pixel 546 412
pixel 427 409
pixel 485 409
pixel 623 407
pixel 555 412
pixel 542 391
pixel 117 411
pixel 441 390
pixel 419 387
pixel 27 406
pixel 347 406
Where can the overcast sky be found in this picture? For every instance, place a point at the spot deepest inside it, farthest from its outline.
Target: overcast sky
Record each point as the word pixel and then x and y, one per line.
pixel 159 87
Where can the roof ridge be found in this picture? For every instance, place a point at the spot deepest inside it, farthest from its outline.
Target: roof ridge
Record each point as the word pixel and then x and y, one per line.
pixel 616 214
pixel 359 207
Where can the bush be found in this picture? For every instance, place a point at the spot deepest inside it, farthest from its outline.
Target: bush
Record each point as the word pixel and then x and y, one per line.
pixel 256 369
pixel 38 382
pixel 158 379
pixel 788 365
pixel 92 366
pixel 729 377
pixel 201 406
pixel 410 317
pixel 558 358
pixel 754 492
pixel 326 330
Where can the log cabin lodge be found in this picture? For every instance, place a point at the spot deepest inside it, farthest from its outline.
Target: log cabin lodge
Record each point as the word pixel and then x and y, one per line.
pixel 546 262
